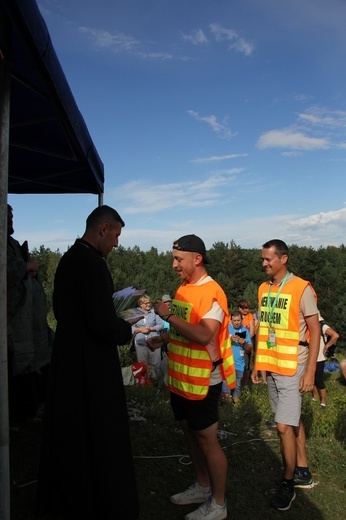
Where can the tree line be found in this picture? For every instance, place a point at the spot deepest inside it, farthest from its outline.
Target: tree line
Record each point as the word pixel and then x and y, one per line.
pixel 239 272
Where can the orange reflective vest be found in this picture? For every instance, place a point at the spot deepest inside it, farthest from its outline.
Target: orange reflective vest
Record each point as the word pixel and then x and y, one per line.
pixel 283 357
pixel 247 319
pixel 189 364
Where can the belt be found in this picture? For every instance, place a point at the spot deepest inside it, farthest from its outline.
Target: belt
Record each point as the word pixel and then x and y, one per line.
pixel 303 343
pixel 217 363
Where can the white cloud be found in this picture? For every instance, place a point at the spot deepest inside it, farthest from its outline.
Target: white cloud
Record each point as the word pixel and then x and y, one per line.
pixel 291 139
pixel 196 37
pixel 119 42
pixel 220 128
pixel 306 134
pixel 53 240
pixel 155 55
pixel 146 201
pixel 324 117
pixel 124 43
pixel 115 42
pixel 303 98
pixel 320 220
pixel 229 35
pixel 141 197
pixel 214 158
pixel 292 154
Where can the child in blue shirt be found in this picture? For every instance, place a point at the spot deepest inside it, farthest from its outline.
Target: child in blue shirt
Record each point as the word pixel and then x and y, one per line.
pixel 241 342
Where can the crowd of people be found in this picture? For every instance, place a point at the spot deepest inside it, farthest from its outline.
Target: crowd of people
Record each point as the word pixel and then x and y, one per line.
pixel 204 353
pixel 288 317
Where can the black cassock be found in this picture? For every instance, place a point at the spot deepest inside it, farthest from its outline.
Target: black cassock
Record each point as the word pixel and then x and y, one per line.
pixel 86 466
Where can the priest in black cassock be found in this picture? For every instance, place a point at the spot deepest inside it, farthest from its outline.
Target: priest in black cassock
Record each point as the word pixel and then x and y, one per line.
pixel 86 466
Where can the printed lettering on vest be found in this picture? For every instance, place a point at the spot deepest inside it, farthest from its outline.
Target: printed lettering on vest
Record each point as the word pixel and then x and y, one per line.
pixel 281 313
pixel 281 358
pixel 183 311
pixel 280 304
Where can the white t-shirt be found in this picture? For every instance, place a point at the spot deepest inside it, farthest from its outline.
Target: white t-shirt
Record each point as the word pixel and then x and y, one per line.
pixel 321 356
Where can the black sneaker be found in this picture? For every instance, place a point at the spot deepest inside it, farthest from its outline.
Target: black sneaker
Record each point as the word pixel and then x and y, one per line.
pixel 302 480
pixel 283 497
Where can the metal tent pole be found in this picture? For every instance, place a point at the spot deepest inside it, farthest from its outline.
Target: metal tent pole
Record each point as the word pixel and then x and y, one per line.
pixel 4 155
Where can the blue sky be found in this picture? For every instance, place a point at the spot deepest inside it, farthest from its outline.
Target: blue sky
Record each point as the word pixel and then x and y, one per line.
pixel 223 118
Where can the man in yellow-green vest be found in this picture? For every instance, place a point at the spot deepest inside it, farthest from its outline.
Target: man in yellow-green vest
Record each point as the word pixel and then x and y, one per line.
pixel 288 339
pixel 200 357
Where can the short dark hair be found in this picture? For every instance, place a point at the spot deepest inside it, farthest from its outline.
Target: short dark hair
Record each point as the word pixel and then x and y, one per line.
pixel 236 313
pixel 103 214
pixel 280 247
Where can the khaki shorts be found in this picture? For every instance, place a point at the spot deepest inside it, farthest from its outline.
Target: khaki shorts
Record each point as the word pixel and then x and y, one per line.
pixel 284 396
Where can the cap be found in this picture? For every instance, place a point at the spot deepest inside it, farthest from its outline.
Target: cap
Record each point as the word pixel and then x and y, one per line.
pixel 192 243
pixel 166 298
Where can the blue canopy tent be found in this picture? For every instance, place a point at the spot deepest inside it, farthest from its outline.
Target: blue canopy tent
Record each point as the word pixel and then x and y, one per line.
pixel 50 149
pixel 45 147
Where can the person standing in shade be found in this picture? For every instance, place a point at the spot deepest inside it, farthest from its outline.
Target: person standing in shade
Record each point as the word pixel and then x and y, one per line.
pixel 86 467
pixel 200 357
pixel 29 338
pixel 319 392
pixel 241 345
pixel 148 325
pixel 249 322
pixel 287 348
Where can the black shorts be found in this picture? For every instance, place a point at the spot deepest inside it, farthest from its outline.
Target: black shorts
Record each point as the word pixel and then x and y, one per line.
pixel 199 414
pixel 319 375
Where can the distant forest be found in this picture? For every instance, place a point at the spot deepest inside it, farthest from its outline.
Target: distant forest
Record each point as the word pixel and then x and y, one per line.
pixel 238 271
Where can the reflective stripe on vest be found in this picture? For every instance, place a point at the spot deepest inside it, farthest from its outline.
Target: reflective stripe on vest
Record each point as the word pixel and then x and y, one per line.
pixel 189 364
pixel 283 357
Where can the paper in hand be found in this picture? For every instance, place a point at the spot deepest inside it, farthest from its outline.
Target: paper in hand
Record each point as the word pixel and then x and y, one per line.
pixel 125 302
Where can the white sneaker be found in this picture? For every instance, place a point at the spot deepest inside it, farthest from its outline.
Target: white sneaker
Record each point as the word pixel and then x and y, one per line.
pixel 209 511
pixel 194 494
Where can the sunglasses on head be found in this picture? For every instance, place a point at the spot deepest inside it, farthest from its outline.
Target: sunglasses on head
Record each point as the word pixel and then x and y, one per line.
pixel 179 248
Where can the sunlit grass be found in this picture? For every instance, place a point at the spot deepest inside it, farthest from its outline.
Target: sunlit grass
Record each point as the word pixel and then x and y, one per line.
pixel 252 450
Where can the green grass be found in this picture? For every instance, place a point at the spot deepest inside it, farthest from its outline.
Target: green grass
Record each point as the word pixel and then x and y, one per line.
pixel 163 467
pixel 252 451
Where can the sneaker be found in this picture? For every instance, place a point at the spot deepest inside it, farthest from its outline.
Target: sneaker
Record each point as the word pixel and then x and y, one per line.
pixel 284 497
pixel 194 494
pixel 209 511
pixel 303 481
pixel 271 425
